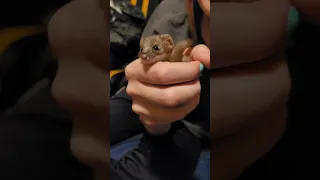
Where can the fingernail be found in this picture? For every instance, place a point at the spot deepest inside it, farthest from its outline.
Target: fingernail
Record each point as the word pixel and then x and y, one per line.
pixel 201 67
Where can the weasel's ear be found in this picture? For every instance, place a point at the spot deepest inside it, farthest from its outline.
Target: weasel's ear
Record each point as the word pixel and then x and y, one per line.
pixel 167 39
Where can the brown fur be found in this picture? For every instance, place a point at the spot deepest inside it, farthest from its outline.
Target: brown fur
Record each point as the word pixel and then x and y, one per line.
pixel 165 45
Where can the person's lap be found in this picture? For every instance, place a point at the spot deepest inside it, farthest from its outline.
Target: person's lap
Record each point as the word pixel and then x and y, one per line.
pixel 203 168
pixel 43 105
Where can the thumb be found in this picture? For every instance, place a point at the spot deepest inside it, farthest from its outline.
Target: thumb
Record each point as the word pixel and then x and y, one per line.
pixel 201 53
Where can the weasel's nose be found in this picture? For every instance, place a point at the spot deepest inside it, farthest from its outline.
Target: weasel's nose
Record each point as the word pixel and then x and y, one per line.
pixel 144 56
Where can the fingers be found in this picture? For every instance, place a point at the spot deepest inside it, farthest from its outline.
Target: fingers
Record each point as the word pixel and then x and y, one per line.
pixel 201 53
pixel 153 114
pixel 166 96
pixel 163 73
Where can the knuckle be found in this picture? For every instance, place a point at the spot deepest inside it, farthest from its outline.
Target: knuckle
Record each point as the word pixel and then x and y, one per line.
pixel 171 99
pixel 132 88
pixel 198 87
pixel 177 116
pixel 159 75
pixel 195 72
pixel 136 108
pixel 146 121
pixel 183 111
pixel 142 118
pixel 129 71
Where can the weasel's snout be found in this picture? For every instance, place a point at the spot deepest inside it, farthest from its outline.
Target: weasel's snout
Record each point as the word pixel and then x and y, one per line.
pixel 144 56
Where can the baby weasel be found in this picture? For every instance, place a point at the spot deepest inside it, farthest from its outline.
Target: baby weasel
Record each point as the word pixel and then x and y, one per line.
pixel 157 48
pixel 162 48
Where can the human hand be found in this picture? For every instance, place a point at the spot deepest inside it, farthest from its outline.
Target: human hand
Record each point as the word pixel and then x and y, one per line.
pixel 166 92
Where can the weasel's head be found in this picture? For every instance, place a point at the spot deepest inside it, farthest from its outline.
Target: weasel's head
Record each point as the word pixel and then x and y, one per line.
pixel 155 48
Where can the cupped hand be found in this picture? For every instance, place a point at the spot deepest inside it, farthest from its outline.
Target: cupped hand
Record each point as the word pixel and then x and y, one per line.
pixel 166 92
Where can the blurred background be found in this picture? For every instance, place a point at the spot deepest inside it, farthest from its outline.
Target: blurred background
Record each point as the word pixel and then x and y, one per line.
pixel 25 58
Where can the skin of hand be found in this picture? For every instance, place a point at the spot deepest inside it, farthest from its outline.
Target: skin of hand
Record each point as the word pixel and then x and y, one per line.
pixel 165 92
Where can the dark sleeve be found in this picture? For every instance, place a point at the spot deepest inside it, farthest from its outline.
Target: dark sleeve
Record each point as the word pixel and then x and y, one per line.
pixel 172 156
pixel 124 122
pixel 200 116
pixel 37 147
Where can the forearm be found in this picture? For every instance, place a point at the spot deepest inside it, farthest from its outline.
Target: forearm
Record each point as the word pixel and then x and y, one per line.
pixel 247 91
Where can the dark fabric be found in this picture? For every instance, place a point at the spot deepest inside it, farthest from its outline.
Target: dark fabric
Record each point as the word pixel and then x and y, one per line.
pixel 169 18
pixel 198 14
pixel 124 122
pixel 22 64
pixel 37 147
pixel 125 30
pixel 43 104
pixel 20 13
pixel 169 157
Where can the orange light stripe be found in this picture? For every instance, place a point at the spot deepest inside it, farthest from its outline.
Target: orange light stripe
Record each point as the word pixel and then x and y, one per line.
pixel 133 2
pixel 145 7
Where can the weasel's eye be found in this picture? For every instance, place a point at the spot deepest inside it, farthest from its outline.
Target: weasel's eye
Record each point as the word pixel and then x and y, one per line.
pixel 156 48
pixel 141 49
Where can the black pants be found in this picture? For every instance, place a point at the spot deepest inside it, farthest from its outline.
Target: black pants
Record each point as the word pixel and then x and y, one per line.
pixel 34 143
pixel 124 122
